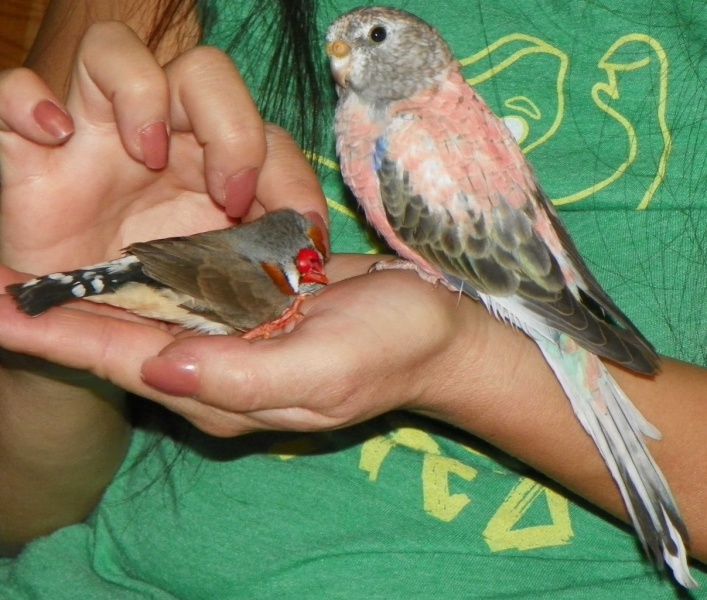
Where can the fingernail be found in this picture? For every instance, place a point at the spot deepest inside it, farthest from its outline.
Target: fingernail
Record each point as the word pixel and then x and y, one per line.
pixel 154 143
pixel 239 192
pixel 176 376
pixel 319 221
pixel 53 120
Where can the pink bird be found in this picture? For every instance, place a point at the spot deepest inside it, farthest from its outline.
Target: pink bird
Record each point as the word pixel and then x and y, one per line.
pixel 443 181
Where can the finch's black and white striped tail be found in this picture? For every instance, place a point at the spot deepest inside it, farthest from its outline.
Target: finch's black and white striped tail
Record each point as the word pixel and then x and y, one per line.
pixel 39 295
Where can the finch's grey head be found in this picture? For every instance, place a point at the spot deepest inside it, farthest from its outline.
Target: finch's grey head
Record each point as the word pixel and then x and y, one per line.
pixel 385 54
pixel 289 245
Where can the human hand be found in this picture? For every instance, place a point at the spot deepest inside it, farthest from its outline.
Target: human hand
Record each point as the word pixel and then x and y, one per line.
pixel 139 152
pixel 368 344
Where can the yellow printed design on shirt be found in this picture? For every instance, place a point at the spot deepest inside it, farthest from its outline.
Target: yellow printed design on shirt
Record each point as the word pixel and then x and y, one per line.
pixel 536 120
pixel 505 530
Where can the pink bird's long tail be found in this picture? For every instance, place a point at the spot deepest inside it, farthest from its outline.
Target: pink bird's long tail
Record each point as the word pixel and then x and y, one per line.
pixel 619 431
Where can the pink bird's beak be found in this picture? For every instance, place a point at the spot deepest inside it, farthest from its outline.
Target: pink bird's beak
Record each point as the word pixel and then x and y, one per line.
pixel 340 61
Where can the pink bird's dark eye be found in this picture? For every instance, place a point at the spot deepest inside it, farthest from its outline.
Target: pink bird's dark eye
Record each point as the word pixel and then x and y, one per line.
pixel 378 34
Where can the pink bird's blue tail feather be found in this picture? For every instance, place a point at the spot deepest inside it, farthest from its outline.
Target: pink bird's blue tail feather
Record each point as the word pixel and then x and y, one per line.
pixel 619 430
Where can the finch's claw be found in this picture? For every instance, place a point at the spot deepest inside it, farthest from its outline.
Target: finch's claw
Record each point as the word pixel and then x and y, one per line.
pixel 289 317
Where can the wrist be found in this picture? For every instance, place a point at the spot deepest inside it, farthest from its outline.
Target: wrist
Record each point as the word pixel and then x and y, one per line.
pixel 484 366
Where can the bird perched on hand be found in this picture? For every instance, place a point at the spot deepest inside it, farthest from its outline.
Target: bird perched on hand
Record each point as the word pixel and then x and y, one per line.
pixel 442 180
pixel 249 278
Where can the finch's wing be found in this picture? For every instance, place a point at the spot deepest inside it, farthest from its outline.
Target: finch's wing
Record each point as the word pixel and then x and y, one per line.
pixel 241 295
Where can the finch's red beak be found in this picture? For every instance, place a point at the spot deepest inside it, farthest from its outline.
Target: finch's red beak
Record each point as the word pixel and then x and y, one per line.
pixel 316 275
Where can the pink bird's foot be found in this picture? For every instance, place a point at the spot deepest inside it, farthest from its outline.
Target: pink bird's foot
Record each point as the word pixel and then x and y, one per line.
pixel 289 317
pixel 407 265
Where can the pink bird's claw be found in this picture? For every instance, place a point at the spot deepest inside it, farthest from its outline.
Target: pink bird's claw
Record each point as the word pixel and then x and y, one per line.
pixel 407 265
pixel 394 263
pixel 289 317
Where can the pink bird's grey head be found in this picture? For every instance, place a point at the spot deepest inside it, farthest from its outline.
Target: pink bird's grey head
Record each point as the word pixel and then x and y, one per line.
pixel 384 54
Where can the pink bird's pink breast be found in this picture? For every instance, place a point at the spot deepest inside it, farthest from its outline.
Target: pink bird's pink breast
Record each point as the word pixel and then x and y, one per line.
pixel 357 134
pixel 465 158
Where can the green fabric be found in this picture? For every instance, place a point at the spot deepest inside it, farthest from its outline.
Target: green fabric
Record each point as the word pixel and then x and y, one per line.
pixel 402 507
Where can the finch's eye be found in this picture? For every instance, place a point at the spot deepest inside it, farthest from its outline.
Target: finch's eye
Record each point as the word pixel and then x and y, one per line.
pixel 378 34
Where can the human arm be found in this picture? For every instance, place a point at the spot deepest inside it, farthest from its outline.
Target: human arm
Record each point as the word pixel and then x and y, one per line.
pixel 386 341
pixel 452 362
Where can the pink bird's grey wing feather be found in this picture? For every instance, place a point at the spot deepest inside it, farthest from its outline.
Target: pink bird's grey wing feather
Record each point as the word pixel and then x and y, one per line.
pixel 453 195
pixel 592 294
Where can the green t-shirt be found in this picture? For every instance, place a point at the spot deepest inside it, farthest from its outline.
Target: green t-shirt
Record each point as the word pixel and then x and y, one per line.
pixel 608 100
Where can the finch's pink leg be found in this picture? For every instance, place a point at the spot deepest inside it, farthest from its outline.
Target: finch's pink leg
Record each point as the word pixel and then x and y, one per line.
pixel 264 331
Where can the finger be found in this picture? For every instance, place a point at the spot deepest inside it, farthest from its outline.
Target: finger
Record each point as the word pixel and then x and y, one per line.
pixel 287 180
pixel 107 346
pixel 117 80
pixel 210 98
pixel 266 390
pixel 28 107
pixel 8 276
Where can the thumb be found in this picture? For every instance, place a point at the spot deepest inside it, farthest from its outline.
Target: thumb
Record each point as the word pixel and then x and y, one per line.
pixel 233 374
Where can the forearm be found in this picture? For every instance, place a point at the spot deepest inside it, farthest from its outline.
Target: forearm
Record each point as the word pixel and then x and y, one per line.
pixel 519 406
pixel 63 436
